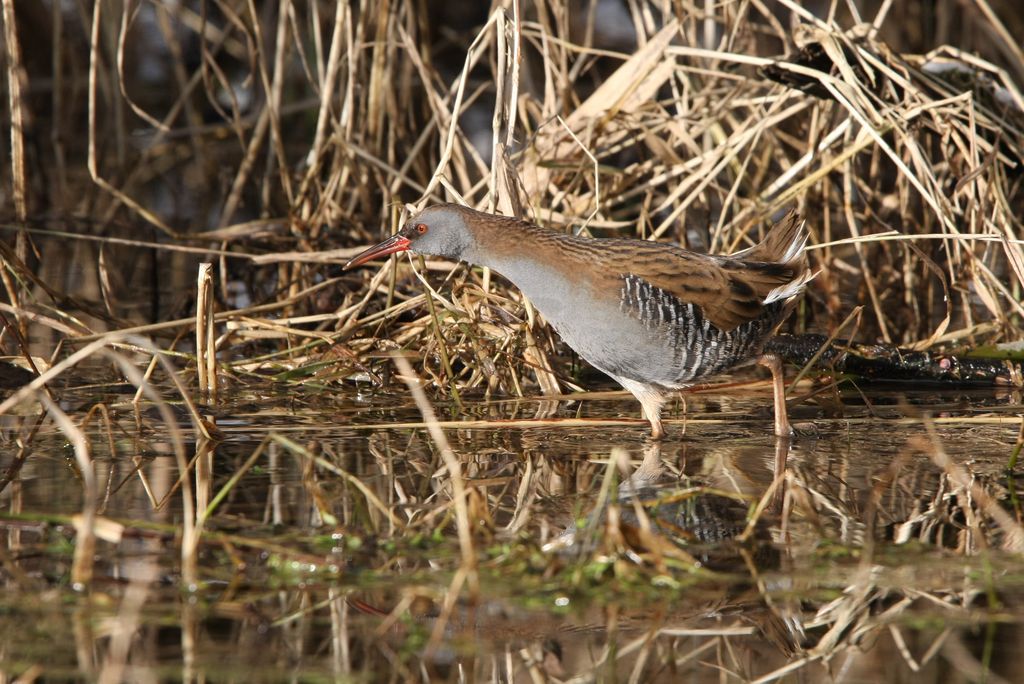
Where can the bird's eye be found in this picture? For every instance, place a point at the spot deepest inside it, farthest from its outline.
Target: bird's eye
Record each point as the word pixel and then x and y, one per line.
pixel 421 228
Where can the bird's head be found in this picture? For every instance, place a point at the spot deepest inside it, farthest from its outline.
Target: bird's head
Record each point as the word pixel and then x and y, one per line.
pixel 437 231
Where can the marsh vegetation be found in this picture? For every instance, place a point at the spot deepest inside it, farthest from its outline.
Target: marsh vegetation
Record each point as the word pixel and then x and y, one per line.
pixel 400 473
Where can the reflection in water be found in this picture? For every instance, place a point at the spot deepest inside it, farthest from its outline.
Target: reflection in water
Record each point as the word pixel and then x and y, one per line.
pixel 329 550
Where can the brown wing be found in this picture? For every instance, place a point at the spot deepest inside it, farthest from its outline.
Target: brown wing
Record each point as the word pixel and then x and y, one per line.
pixel 730 290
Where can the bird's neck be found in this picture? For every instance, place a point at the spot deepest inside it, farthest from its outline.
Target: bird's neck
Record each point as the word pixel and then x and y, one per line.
pixel 517 248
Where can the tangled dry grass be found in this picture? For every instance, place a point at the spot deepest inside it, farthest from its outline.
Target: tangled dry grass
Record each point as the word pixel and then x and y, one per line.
pixel 275 143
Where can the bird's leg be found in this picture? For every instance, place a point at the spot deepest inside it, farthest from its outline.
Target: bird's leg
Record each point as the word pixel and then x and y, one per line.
pixel 657 429
pixel 650 470
pixel 686 412
pixel 782 449
pixel 651 400
pixel 774 364
pixel 652 403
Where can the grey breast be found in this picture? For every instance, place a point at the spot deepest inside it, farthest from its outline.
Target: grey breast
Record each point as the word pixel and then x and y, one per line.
pixel 593 324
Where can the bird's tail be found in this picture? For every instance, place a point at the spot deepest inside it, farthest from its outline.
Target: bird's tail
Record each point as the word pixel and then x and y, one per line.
pixel 784 244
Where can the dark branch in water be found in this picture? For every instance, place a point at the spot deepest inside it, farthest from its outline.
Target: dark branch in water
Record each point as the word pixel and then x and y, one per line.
pixel 886 362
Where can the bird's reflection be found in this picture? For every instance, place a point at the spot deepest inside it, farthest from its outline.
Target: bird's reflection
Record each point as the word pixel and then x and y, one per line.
pixel 703 508
pixel 678 514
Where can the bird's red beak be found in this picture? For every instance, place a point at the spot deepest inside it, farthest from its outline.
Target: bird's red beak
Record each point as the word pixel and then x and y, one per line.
pixel 394 244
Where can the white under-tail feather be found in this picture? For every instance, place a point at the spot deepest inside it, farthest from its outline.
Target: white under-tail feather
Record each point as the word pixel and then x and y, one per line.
pixel 794 251
pixel 790 289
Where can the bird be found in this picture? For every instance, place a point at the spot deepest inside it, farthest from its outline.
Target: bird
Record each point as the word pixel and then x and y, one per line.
pixel 653 316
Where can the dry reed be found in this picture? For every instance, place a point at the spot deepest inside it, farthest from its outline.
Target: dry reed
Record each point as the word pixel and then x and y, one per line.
pixel 274 140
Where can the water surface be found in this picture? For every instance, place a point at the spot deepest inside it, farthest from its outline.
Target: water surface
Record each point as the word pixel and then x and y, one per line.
pixel 891 550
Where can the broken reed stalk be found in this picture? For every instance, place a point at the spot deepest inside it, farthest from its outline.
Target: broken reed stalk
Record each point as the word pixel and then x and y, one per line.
pixel 206 343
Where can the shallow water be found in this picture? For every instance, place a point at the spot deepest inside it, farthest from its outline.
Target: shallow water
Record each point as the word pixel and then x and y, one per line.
pixel 598 555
